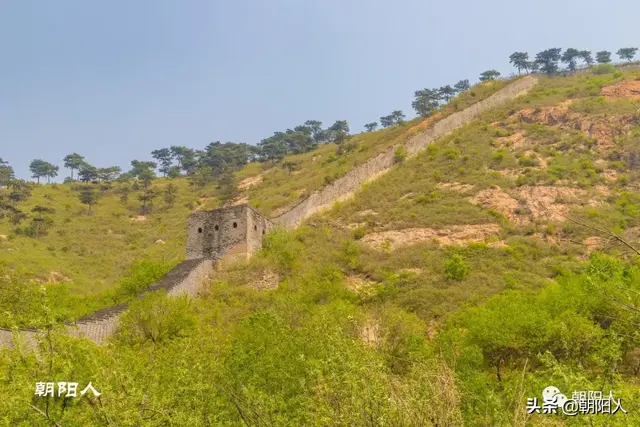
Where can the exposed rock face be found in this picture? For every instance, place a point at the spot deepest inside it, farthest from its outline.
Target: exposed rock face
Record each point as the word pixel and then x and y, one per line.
pixel 625 89
pixel 454 235
pixel 497 199
pixel 604 129
pixel 539 202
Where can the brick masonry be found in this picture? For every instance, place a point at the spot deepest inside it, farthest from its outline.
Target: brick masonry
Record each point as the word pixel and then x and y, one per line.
pixel 345 187
pixel 237 231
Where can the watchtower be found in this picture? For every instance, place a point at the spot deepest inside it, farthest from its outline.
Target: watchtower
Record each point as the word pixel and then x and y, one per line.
pixel 236 230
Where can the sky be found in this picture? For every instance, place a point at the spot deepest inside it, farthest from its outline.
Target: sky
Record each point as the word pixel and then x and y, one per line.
pixel 114 80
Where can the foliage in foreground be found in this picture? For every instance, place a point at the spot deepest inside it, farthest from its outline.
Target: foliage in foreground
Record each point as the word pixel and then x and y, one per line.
pixel 314 353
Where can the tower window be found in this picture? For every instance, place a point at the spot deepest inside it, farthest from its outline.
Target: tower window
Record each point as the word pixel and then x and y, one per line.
pixel 263 232
pixel 235 225
pixel 216 228
pixel 200 230
pixel 255 227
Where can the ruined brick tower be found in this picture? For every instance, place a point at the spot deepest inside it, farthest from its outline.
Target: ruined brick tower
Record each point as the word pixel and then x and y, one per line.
pixel 235 231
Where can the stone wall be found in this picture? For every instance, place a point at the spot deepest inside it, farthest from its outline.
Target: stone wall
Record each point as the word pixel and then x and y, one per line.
pixel 185 278
pixel 234 230
pixel 346 186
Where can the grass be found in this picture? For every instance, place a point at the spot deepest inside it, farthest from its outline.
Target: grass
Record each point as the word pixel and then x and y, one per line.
pixel 409 195
pixel 89 261
pixel 280 190
pixel 96 256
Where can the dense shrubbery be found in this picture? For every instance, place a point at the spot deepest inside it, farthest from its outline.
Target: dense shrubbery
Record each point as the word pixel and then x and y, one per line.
pixel 312 353
pixel 22 299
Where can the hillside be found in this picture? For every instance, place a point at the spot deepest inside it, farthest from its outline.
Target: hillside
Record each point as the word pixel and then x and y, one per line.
pixel 498 261
pixel 89 259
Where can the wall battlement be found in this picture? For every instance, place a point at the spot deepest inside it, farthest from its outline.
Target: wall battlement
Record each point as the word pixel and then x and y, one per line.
pixel 235 230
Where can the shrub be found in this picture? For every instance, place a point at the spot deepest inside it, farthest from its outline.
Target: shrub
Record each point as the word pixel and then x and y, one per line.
pixel 432 150
pixel 156 318
pixel 623 180
pixel 526 161
pixel 499 155
pixel 400 155
pixel 359 233
pixel 451 153
pixel 140 276
pixel 456 268
pixel 280 246
pixel 604 69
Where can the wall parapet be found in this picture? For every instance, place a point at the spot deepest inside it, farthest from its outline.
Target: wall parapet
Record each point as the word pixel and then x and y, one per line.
pixel 345 187
pixel 184 278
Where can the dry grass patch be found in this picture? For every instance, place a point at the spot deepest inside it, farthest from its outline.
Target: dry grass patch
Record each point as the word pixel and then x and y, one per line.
pixel 359 285
pixel 250 181
pixel 455 186
pixel 514 142
pixel 447 236
pixel 269 280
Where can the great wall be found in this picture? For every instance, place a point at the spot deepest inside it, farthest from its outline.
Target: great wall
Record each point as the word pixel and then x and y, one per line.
pixel 237 231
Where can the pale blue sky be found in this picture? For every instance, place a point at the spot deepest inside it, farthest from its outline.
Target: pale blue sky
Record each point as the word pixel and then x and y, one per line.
pixel 113 80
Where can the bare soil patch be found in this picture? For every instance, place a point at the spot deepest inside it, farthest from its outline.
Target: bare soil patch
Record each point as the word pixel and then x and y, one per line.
pixel 602 129
pixel 497 199
pixel 455 186
pixel 454 235
pixel 550 203
pixel 544 202
pixel 269 280
pixel 366 212
pixel 240 201
pixel 625 89
pixel 515 141
pixel 250 181
pixel 359 284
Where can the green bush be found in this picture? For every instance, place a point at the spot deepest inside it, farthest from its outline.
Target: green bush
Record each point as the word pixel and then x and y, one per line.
pixel 400 155
pixel 451 153
pixel 139 276
pixel 527 161
pixel 456 268
pixel 156 318
pixel 604 69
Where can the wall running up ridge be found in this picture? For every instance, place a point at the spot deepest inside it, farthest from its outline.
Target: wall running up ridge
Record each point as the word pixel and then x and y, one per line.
pixel 184 278
pixel 346 186
pixel 187 276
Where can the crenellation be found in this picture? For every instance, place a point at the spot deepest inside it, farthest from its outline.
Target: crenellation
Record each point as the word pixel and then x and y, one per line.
pixel 235 230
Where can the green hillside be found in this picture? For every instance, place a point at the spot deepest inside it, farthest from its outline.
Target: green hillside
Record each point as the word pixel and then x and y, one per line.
pixel 90 258
pixel 500 260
